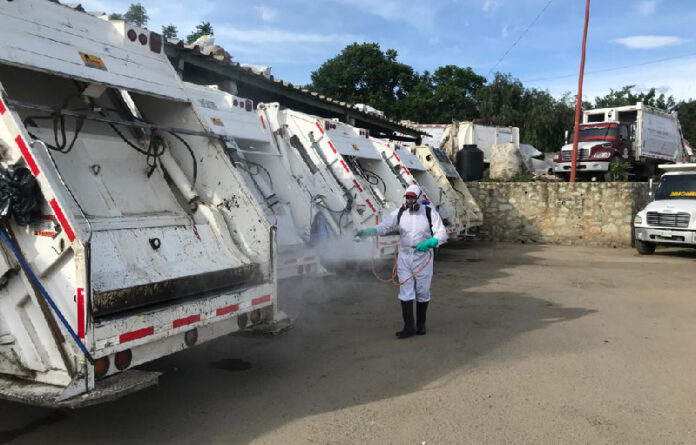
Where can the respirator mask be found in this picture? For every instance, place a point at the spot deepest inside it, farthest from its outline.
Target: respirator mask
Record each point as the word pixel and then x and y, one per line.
pixel 411 203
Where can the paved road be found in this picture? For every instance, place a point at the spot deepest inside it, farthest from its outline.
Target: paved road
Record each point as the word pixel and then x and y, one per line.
pixel 527 344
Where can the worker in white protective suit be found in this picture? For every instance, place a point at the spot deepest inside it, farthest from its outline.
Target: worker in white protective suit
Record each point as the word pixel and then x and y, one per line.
pixel 421 230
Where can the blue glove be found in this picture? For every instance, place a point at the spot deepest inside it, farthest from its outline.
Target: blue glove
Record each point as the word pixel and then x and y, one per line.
pixel 426 245
pixel 364 233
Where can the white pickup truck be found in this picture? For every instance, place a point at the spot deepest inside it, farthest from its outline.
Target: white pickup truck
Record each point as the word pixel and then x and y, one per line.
pixel 670 219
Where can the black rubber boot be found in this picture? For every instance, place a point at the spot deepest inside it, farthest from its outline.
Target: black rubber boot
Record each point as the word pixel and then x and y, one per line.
pixel 421 311
pixel 407 312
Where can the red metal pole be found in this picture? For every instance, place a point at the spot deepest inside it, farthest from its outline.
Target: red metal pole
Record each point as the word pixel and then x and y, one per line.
pixel 578 102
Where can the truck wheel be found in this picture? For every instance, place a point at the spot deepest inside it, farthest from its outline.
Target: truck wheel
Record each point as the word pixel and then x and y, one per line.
pixel 644 248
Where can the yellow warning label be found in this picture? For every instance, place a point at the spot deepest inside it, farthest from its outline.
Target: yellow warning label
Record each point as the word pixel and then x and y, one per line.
pixel 92 61
pixel 217 121
pixel 355 147
pixel 689 194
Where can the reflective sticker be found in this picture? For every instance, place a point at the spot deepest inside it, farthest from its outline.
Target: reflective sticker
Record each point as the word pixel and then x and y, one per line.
pixel 80 312
pixel 134 335
pixel 62 219
pixel 27 156
pixel 92 61
pixel 261 300
pixel 217 121
pixel 226 310
pixel 186 321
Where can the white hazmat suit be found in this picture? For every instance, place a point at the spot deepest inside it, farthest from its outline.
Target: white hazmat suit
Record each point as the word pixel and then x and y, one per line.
pixel 414 229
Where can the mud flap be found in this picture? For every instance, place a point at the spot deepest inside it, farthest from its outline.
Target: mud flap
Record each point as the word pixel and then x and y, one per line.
pixel 279 325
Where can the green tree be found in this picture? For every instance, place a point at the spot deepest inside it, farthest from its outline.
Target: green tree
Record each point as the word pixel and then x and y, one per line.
pixel 363 73
pixel 170 32
pixel 500 102
pixel 686 111
pixel 626 96
pixel 115 16
pixel 202 29
pixel 136 15
pixel 541 118
pixel 454 93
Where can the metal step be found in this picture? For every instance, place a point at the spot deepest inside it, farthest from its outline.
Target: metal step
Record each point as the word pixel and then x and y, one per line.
pixel 109 389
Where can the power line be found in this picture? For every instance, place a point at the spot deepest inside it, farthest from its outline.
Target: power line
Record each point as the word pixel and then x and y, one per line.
pixel 616 68
pixel 520 37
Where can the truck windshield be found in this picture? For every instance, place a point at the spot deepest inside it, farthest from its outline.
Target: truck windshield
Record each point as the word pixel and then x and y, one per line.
pixel 677 187
pixel 595 133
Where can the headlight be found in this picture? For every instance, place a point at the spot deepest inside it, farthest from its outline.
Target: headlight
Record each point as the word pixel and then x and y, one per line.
pixel 637 220
pixel 602 155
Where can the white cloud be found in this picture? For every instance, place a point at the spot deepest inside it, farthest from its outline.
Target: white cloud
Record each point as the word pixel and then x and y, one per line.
pixel 647 42
pixel 490 5
pixel 504 32
pixel 647 7
pixel 268 15
pixel 674 77
pixel 418 14
pixel 267 36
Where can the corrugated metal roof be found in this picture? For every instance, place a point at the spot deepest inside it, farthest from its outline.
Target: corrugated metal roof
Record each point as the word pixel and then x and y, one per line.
pixel 219 55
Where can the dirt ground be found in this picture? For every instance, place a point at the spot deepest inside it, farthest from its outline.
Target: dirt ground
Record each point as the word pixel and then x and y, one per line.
pixel 526 344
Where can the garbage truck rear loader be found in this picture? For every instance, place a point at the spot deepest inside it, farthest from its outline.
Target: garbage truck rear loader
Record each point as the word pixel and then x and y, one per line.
pixel 357 193
pixel 127 232
pixel 412 171
pixel 446 176
pixel 251 146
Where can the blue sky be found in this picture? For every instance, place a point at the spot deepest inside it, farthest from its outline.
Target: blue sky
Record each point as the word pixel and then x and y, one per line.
pixel 296 36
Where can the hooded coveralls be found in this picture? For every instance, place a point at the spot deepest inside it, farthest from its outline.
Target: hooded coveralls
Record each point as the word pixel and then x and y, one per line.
pixel 414 229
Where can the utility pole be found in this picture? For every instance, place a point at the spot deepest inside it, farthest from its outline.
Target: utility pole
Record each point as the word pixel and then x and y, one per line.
pixel 578 101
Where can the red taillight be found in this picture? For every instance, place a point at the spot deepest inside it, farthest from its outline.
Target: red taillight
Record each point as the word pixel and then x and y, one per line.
pixel 123 359
pixel 101 367
pixel 142 38
pixel 155 42
pixel 248 106
pixel 132 35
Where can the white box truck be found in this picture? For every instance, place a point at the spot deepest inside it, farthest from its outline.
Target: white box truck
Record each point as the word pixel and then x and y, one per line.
pixel 638 134
pixel 127 232
pixel 670 219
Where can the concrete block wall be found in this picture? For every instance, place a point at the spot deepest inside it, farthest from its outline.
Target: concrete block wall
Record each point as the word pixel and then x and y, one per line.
pixel 584 213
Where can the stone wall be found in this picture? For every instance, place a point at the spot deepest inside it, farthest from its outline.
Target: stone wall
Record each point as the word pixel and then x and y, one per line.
pixel 583 213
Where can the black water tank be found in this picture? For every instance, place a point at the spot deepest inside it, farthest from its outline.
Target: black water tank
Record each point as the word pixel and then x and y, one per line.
pixel 469 163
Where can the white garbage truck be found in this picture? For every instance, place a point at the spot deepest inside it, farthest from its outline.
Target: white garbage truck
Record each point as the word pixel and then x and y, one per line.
pixel 251 146
pixel 447 178
pixel 410 170
pixel 351 185
pixel 453 137
pixel 127 232
pixel 670 219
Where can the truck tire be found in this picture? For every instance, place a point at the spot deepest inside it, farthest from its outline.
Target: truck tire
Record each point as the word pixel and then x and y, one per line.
pixel 644 248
